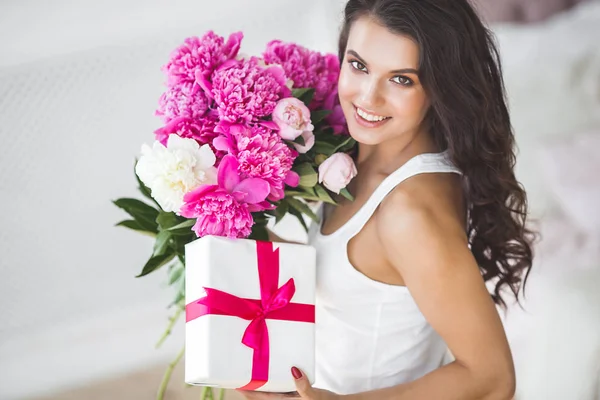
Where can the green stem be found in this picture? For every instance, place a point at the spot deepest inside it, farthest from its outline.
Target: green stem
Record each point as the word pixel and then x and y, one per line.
pixel 172 321
pixel 221 394
pixel 167 377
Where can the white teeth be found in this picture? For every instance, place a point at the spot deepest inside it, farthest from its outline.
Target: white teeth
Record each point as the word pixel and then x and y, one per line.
pixel 369 117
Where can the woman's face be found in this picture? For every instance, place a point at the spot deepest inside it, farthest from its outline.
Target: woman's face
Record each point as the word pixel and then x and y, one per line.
pixel 379 88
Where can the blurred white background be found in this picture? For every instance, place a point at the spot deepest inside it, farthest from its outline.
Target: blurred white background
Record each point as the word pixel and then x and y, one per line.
pixel 79 83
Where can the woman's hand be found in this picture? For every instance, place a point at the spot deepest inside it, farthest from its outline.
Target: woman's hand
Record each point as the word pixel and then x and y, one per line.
pixel 303 388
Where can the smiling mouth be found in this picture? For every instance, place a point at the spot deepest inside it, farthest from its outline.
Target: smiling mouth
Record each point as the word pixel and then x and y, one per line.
pixel 367 119
pixel 367 116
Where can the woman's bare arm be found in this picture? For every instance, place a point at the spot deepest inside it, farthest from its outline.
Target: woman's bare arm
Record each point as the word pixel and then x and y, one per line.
pixel 430 252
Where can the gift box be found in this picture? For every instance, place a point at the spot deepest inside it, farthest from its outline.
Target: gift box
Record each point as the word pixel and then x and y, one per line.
pixel 249 313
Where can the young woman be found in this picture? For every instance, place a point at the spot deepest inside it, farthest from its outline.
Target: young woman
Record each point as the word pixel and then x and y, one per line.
pixel 403 311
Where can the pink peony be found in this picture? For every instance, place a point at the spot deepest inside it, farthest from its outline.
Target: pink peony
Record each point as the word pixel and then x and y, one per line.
pixel 308 69
pixel 183 100
pixel 200 57
pixel 309 142
pixel 292 58
pixel 292 117
pixel 326 70
pixel 217 213
pixel 225 209
pixel 203 130
pixel 245 91
pixel 337 119
pixel 261 154
pixel 337 171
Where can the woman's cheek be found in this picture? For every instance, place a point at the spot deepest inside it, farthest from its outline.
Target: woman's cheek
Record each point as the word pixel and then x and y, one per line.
pixel 411 106
pixel 419 106
pixel 347 86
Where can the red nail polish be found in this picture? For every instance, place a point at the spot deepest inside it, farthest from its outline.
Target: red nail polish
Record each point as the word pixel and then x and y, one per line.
pixel 296 373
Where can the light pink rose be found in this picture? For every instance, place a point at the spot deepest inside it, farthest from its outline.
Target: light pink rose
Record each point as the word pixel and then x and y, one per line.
pixel 292 117
pixel 309 142
pixel 337 171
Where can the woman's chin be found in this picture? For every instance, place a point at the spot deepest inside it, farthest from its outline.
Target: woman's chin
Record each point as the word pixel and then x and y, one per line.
pixel 368 137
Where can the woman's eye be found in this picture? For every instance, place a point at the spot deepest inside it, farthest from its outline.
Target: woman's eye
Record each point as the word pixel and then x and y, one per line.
pixel 402 80
pixel 358 65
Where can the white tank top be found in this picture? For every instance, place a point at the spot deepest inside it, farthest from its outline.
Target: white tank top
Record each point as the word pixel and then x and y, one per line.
pixel 369 334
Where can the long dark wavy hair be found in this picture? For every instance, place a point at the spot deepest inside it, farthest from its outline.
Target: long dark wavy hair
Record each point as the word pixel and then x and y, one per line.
pixel 461 73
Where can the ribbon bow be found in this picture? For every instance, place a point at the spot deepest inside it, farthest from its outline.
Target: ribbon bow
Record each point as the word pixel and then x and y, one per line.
pixel 275 303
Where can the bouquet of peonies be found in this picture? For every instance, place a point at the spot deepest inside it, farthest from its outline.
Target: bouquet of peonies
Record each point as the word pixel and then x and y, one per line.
pixel 245 139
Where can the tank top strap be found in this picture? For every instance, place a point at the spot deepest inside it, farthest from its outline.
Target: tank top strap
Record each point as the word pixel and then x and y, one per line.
pixel 420 164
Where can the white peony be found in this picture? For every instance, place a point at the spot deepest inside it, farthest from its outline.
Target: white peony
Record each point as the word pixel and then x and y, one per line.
pixel 172 171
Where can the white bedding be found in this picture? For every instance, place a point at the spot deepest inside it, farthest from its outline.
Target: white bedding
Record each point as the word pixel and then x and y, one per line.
pixel 552 73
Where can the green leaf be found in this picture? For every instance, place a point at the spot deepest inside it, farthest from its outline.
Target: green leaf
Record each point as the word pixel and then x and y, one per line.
pixel 304 94
pixel 270 212
pixel 323 148
pixel 259 232
pixel 132 224
pixel 183 228
pixel 182 285
pixel 182 233
pixel 155 263
pixel 166 220
pixel 162 243
pixel 281 211
pixel 299 92
pixel 302 191
pixel 260 217
pixel 300 140
pixel 144 214
pixel 302 194
pixel 180 294
pixel 324 195
pixel 300 218
pixel 344 192
pixel 259 228
pixel 136 207
pixel 304 169
pixel 308 175
pixel 185 224
pixel 309 180
pixel 175 273
pixel 318 116
pixel 303 208
pixel 349 142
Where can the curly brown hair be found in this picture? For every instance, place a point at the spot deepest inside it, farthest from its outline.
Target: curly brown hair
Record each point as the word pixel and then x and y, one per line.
pixel 461 72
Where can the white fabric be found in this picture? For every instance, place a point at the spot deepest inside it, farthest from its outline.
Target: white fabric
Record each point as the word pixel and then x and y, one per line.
pixel 552 76
pixel 570 168
pixel 370 334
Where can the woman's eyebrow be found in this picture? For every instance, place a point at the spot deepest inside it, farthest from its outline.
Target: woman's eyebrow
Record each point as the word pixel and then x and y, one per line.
pixel 396 71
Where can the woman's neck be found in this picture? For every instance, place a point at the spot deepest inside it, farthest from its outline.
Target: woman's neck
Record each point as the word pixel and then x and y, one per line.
pixel 386 157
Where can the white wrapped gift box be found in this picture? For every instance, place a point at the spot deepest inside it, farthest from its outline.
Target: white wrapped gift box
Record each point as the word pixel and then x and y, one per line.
pixel 214 353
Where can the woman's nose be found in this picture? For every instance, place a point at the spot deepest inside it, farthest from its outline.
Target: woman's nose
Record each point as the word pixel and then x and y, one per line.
pixel 370 95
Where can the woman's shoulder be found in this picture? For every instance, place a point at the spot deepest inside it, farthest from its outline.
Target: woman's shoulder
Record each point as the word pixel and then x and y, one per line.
pixel 425 201
pixel 421 223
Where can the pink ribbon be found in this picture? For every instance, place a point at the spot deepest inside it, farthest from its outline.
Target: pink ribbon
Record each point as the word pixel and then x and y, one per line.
pixel 274 303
